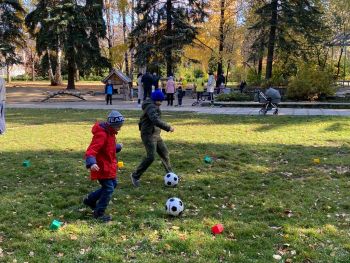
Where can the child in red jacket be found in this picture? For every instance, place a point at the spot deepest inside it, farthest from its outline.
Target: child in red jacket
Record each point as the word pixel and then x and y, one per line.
pixel 101 160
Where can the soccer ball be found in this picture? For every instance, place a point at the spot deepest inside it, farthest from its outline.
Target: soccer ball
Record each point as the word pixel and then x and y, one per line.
pixel 174 206
pixel 171 179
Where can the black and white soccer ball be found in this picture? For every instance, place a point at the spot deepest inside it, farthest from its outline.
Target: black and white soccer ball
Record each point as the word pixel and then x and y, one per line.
pixel 171 180
pixel 174 206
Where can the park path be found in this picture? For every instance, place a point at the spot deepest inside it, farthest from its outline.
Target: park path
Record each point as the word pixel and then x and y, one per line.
pixel 122 105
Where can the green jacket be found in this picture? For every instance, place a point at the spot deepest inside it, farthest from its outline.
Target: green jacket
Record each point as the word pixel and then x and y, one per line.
pixel 199 85
pixel 150 121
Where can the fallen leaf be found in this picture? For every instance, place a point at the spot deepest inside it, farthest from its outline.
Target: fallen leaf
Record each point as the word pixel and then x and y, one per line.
pixel 73 237
pixel 167 247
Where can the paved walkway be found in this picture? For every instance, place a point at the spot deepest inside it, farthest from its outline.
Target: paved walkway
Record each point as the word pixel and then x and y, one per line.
pixel 121 105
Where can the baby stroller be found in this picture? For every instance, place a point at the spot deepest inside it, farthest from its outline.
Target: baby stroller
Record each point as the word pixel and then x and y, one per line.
pixel 269 100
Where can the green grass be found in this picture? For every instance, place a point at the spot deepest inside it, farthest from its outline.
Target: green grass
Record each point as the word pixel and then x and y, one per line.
pixel 263 187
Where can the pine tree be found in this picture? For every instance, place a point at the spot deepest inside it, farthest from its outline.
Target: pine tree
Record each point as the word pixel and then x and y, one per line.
pixel 291 27
pixel 11 32
pixel 164 28
pixel 75 27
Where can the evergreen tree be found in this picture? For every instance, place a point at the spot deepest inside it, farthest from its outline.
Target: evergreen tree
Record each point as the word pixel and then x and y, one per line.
pixel 164 28
pixel 11 33
pixel 74 27
pixel 290 28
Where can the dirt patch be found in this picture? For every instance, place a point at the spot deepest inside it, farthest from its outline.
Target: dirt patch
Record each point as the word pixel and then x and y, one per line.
pixel 23 92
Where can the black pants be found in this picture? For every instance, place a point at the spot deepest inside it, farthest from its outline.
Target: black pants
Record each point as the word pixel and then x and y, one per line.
pixel 211 96
pixel 199 95
pixel 180 100
pixel 147 93
pixel 109 99
pixel 170 98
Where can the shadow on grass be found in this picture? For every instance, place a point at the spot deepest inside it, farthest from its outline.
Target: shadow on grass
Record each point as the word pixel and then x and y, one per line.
pixel 246 188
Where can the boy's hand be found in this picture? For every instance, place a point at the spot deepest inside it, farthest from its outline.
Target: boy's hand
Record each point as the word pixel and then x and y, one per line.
pixel 94 168
pixel 172 129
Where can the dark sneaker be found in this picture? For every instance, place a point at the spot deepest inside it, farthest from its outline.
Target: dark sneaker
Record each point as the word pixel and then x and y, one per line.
pixel 89 203
pixel 134 181
pixel 103 218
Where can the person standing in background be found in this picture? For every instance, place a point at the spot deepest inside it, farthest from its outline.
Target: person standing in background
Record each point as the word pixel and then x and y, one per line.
pixel 199 88
pixel 147 83
pixel 109 92
pixel 220 83
pixel 170 90
pixel 211 87
pixel 139 89
pixel 155 81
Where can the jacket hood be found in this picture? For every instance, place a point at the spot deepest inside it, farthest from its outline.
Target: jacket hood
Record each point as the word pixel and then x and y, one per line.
pixel 102 126
pixel 98 127
pixel 147 103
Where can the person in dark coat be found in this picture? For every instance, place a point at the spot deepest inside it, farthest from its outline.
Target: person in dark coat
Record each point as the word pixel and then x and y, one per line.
pixel 155 81
pixel 242 86
pixel 147 82
pixel 150 126
pixel 220 83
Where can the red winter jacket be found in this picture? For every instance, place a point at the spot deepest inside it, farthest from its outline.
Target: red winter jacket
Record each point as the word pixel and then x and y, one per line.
pixel 102 151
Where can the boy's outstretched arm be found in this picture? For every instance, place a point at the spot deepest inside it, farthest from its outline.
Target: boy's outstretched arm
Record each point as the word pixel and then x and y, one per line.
pixel 154 117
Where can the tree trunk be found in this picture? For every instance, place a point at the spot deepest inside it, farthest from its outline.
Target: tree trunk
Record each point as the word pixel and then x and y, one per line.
pixel 261 58
pixel 71 73
pixel 33 66
pixel 109 31
pixel 222 37
pixel 132 51
pixel 168 51
pixel 8 69
pixel 272 39
pixel 58 72
pixel 339 60
pixel 126 59
pixel 227 72
pixel 33 71
pixel 50 71
pixel 77 74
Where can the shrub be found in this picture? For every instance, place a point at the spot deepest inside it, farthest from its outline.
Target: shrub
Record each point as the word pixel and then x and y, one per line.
pixel 311 83
pixel 253 79
pixel 234 96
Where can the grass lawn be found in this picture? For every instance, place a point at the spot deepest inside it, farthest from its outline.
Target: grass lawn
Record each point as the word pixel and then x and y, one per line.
pixel 263 187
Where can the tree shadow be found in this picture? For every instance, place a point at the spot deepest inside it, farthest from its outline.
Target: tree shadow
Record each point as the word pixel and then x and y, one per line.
pixel 250 188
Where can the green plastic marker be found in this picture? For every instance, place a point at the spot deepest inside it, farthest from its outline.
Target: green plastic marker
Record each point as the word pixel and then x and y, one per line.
pixel 55 225
pixel 26 163
pixel 207 159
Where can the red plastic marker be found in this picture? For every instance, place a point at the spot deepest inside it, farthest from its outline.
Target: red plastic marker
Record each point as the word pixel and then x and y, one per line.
pixel 217 229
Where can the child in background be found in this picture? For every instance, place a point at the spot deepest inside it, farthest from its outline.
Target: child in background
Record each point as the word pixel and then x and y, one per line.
pixel 109 92
pixel 199 89
pixel 101 160
pixel 180 95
